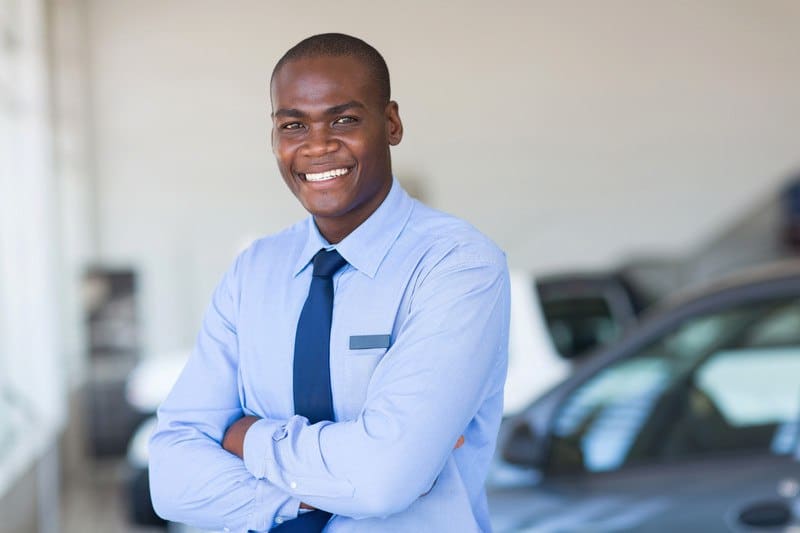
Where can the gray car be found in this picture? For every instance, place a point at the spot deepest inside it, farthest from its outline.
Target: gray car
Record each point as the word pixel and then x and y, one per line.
pixel 688 424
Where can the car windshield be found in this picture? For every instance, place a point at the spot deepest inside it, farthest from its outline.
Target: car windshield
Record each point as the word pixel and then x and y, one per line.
pixel 723 382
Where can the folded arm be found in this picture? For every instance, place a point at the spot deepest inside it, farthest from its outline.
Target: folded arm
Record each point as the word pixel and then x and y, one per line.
pixel 192 478
pixel 233 442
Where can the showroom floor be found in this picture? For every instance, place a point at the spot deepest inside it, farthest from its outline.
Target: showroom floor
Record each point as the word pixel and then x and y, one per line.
pixel 93 500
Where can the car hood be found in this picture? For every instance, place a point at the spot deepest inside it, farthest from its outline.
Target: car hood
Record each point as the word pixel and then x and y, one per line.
pixel 700 496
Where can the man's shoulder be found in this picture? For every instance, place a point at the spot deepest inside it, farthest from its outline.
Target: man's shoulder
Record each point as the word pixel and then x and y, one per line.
pixel 279 246
pixel 447 235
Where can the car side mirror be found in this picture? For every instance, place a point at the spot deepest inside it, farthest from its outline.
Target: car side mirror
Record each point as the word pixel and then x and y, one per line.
pixel 524 446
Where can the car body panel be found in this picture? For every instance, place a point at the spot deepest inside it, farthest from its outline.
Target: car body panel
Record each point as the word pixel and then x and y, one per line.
pixel 702 496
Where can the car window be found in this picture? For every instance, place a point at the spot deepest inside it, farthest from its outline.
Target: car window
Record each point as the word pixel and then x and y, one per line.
pixel 579 324
pixel 720 383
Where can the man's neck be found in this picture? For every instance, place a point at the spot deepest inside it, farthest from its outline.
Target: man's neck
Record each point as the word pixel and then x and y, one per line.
pixel 335 229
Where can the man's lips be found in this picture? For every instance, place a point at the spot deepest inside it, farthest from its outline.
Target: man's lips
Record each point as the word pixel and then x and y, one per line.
pixel 325 175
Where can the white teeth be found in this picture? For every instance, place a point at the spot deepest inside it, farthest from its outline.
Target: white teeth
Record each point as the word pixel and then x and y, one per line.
pixel 328 175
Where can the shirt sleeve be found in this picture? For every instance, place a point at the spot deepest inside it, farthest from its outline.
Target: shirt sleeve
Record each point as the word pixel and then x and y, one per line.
pixel 448 357
pixel 192 478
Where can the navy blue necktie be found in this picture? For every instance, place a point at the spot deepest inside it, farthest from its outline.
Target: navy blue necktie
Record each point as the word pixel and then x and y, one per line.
pixel 312 369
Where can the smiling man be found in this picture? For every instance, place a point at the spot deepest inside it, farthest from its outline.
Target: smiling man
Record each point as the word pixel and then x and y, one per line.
pixel 340 359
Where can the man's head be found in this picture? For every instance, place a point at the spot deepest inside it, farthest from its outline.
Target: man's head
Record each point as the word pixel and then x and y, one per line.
pixel 333 124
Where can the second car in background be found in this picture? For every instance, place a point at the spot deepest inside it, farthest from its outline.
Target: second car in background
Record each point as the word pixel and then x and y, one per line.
pixel 558 320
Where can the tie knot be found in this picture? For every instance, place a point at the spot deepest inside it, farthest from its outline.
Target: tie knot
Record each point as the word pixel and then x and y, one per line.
pixel 327 263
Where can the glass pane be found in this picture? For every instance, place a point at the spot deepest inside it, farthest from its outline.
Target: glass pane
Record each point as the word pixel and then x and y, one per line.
pixel 579 324
pixel 724 382
pixel 782 328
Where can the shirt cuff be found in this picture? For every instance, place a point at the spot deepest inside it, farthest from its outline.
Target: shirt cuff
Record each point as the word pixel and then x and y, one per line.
pixel 257 440
pixel 287 454
pixel 262 518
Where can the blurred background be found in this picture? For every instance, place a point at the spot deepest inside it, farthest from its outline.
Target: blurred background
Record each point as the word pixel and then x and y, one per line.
pixel 618 151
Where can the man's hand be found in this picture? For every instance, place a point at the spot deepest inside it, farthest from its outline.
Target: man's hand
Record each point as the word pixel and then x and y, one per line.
pixel 233 441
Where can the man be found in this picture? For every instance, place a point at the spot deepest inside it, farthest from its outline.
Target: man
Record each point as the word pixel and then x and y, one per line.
pixel 298 413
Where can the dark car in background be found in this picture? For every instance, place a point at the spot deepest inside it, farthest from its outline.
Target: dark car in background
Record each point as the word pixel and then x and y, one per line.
pixel 558 319
pixel 689 423
pixel 586 310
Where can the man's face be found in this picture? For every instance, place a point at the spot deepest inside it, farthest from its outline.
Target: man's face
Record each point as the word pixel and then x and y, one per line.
pixel 331 136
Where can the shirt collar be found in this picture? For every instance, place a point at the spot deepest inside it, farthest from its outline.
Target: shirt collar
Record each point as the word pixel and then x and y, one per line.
pixel 367 245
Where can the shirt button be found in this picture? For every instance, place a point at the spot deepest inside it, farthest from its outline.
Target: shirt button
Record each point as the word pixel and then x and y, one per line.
pixel 280 434
pixel 293 485
pixel 279 520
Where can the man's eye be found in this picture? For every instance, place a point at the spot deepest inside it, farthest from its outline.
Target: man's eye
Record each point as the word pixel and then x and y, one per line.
pixel 345 120
pixel 291 126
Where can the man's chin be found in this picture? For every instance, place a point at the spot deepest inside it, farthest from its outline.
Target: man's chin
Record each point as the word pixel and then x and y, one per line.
pixel 326 207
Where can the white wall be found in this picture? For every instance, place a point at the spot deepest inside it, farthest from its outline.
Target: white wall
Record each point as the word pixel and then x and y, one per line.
pixel 570 132
pixel 74 175
pixel 32 384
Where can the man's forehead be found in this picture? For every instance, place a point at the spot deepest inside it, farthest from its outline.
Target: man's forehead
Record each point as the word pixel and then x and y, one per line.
pixel 322 61
pixel 315 78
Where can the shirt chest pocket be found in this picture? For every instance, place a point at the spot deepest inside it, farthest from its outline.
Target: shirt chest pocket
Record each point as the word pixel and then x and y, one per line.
pixel 356 351
pixel 355 372
pixel 362 333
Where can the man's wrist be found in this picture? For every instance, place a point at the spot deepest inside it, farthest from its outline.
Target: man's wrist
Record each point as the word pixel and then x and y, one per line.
pixel 233 441
pixel 258 442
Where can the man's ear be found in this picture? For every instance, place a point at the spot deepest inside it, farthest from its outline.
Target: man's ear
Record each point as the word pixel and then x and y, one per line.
pixel 394 126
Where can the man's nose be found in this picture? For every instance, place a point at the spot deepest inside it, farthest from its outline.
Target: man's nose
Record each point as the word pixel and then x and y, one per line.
pixel 319 142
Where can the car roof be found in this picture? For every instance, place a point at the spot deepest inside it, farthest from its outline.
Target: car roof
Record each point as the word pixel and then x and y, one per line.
pixel 764 282
pixel 770 273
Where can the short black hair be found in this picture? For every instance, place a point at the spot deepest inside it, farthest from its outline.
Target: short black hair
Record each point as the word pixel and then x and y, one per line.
pixel 341 45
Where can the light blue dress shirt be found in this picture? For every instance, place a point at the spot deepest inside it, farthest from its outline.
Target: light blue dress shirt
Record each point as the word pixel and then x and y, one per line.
pixel 431 283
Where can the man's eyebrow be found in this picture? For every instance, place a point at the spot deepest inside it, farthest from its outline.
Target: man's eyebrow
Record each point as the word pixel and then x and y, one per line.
pixel 289 112
pixel 341 108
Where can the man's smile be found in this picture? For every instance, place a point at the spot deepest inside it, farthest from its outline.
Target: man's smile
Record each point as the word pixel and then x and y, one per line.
pixel 326 175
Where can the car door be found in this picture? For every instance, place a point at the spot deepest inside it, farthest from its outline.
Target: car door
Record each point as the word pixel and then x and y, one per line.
pixel 695 431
